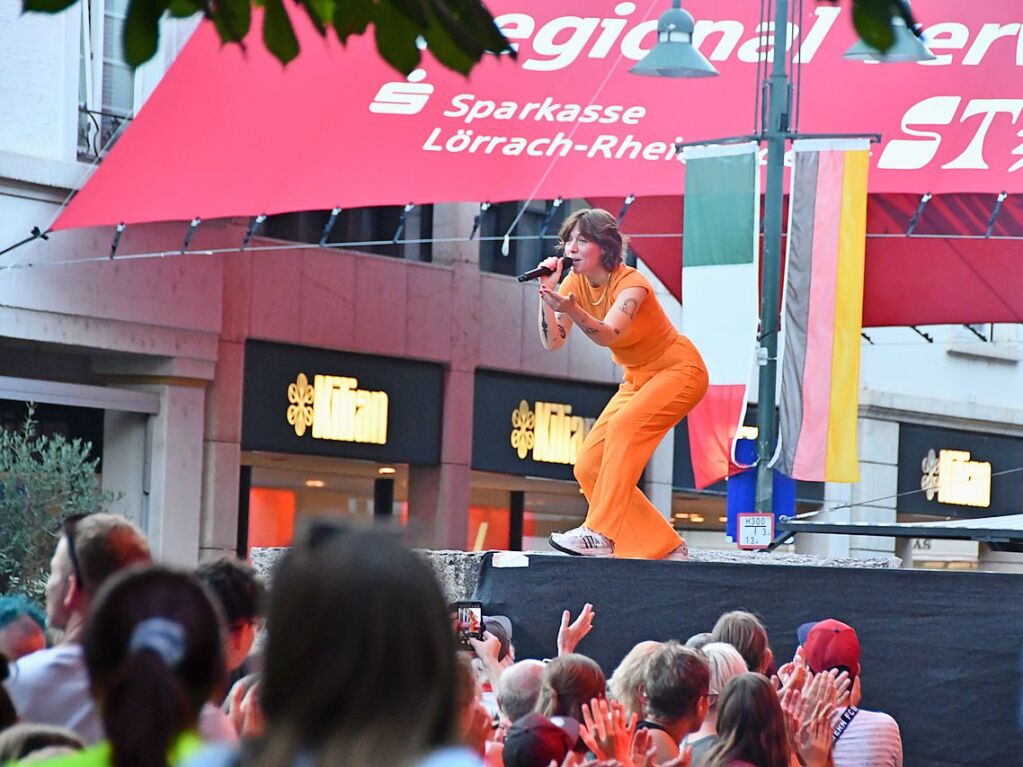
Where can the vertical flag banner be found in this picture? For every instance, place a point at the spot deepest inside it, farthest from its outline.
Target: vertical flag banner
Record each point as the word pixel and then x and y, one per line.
pixel 720 264
pixel 823 311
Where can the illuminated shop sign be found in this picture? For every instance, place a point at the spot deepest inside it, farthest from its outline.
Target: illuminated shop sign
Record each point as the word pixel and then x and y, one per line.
pixel 336 408
pixel 954 473
pixel 548 432
pixel 951 477
pixel 532 426
pixel 322 402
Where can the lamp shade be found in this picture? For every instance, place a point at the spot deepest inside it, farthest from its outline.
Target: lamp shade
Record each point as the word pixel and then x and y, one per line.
pixel 906 47
pixel 674 54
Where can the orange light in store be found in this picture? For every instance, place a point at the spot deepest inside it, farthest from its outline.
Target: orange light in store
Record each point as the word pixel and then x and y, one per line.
pixel 722 519
pixel 385 470
pixel 681 515
pixel 271 517
pixel 696 519
pixel 315 483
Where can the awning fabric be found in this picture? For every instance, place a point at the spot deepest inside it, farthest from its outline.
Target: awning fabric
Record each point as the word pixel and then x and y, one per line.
pixel 231 132
pixel 947 273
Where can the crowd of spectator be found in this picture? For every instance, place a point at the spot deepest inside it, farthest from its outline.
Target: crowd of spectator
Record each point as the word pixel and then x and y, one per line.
pixel 134 664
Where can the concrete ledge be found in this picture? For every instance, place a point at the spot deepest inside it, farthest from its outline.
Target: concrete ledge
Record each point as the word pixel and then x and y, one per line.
pixel 458 571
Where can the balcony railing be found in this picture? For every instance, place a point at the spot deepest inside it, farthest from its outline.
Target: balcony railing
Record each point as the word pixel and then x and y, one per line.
pixel 96 129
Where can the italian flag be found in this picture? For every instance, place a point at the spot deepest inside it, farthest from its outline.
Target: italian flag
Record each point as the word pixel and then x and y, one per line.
pixel 720 262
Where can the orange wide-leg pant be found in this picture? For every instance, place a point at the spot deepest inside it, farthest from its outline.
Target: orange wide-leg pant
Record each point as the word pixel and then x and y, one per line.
pixel 651 400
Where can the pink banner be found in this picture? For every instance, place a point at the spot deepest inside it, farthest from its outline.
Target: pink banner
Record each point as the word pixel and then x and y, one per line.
pixel 228 133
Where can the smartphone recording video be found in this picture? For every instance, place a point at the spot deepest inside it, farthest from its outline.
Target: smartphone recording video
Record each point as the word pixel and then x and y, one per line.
pixel 468 622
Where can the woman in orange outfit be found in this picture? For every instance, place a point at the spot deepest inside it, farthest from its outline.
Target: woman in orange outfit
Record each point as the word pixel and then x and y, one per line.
pixel 614 306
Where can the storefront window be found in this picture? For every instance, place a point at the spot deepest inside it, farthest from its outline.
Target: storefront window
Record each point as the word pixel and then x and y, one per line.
pixel 533 239
pixel 286 492
pixel 370 230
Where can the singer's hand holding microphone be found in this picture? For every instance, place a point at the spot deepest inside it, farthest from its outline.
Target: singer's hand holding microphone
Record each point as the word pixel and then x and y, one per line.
pixel 550 267
pixel 549 274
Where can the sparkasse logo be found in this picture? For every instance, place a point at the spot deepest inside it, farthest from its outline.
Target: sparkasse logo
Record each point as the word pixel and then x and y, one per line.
pixel 406 97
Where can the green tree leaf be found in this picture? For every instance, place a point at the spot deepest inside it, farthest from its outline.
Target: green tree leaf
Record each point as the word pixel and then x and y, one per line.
pixel 142 30
pixel 182 9
pixel 396 37
pixel 320 13
pixel 278 34
pixel 873 22
pixel 233 19
pixel 352 17
pixel 47 6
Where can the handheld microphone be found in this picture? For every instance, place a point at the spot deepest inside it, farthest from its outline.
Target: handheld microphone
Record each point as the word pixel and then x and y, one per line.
pixel 544 271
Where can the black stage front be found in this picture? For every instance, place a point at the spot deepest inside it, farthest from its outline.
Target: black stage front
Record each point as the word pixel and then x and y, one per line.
pixel 941 650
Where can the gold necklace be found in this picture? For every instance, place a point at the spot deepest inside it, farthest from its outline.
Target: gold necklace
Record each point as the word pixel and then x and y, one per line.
pixel 602 295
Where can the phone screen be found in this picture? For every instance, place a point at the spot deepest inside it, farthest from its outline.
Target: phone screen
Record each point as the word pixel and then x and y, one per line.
pixel 468 621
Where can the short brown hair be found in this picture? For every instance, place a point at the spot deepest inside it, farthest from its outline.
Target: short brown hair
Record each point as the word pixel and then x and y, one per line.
pixel 675 680
pixel 599 226
pixel 105 544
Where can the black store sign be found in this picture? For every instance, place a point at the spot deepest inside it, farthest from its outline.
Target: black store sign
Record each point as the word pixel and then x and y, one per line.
pixel 327 403
pixel 956 473
pixel 531 426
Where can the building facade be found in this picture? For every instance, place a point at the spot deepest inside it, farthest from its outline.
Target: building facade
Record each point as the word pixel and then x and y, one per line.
pixel 242 391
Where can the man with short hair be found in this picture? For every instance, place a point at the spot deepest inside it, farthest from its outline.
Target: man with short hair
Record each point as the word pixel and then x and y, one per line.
pixel 676 688
pixel 22 627
pixel 519 689
pixel 52 686
pixel 862 738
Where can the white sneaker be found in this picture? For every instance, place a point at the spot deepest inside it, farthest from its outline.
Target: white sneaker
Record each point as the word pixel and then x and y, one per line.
pixel 680 553
pixel 583 542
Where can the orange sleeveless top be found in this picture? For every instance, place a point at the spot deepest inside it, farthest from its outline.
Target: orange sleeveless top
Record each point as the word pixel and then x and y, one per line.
pixel 649 336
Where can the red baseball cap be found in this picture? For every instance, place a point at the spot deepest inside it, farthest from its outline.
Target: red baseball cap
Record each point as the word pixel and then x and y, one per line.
pixel 832 644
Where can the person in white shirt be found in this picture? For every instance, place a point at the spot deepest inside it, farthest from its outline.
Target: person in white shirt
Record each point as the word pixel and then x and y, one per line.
pixel 862 738
pixel 52 686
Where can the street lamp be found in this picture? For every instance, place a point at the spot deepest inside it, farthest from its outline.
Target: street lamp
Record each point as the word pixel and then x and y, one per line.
pixel 907 46
pixel 674 55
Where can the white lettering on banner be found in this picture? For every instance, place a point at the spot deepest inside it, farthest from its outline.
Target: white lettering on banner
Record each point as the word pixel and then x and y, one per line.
pixel 408 98
pixel 556 44
pixel 913 154
pixel 606 146
pixel 561 41
pixel 470 108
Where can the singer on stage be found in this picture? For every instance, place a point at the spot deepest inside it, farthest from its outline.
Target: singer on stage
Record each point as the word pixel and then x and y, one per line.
pixel 614 306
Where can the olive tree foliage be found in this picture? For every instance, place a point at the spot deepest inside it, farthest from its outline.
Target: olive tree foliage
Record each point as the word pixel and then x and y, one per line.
pixel 457 32
pixel 43 479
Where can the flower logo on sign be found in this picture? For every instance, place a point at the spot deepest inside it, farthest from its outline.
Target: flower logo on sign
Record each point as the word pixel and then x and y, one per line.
pixel 929 481
pixel 300 411
pixel 522 437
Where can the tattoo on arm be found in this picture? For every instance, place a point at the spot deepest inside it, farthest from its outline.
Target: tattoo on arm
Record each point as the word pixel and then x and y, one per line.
pixel 561 330
pixel 543 324
pixel 629 308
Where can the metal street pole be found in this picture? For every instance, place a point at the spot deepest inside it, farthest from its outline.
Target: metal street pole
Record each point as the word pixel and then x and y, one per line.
pixel 775 132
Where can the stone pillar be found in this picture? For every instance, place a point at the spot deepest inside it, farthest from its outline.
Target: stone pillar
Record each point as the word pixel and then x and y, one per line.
pixel 175 474
pixel 439 496
pixel 124 463
pixel 222 454
pixel 657 480
pixel 879 456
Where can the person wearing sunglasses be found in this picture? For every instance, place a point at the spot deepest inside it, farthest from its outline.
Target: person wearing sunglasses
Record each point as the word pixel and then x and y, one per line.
pixel 52 686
